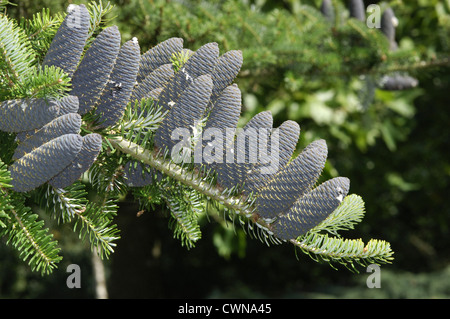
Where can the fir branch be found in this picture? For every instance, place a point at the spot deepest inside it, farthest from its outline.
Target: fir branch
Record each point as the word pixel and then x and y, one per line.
pixel 16 56
pixel 148 197
pixel 187 177
pixel 92 219
pixel 30 237
pixel 345 217
pixel 140 121
pixel 344 251
pixel 3 214
pixel 185 206
pixel 99 16
pixel 340 250
pixel 4 3
pixel 330 249
pixel 413 65
pixel 44 82
pixel 64 204
pixel 41 29
pixel 5 177
pixel 5 203
pixel 95 222
pixel 105 175
pixel 186 191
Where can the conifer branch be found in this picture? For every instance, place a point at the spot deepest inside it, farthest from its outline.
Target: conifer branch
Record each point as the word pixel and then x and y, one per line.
pixel 95 221
pixel 185 206
pixel 99 15
pixel 318 246
pixel 5 203
pixel 122 120
pixel 30 237
pixel 344 251
pixel 414 66
pixel 23 229
pixel 16 58
pixel 187 177
pixel 40 30
pixel 48 81
pixel 64 204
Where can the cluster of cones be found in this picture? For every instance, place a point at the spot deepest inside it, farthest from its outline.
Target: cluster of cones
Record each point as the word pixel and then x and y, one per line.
pixel 110 76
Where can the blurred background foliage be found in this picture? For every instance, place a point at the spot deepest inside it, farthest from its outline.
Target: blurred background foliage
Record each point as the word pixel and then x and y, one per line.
pixel 393 145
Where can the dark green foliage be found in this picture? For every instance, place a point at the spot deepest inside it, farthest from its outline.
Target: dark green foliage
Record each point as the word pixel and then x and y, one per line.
pixel 145 98
pixel 95 224
pixel 185 210
pixel 137 176
pixel 41 28
pixel 27 233
pixel 17 59
pixel 5 205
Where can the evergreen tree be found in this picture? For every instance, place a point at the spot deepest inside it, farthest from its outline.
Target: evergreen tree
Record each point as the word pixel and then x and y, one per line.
pixel 64 129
